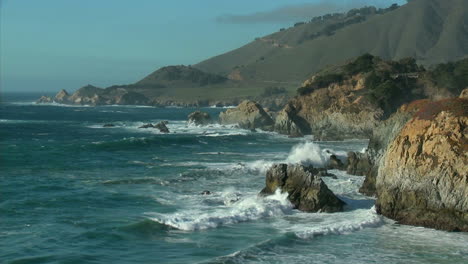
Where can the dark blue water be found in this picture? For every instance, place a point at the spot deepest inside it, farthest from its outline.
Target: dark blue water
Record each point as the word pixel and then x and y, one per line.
pixel 75 192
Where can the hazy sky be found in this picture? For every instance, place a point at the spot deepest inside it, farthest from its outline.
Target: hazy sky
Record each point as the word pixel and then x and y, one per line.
pixel 47 45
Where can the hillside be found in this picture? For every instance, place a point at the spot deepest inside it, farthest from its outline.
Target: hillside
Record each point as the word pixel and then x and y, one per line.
pixel 432 31
pixel 271 68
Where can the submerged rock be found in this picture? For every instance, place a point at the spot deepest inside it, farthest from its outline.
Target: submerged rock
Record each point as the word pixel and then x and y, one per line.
pixel 199 118
pixel 248 115
pixel 306 190
pixel 423 178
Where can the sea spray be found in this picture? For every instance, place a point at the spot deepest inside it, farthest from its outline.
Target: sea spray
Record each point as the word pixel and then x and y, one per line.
pixel 247 209
pixel 307 153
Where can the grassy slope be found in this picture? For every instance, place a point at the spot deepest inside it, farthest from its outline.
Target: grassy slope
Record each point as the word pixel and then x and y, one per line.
pixel 433 31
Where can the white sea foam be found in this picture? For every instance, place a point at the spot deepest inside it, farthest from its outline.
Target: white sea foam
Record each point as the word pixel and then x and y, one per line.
pixel 308 153
pixel 343 223
pixel 247 209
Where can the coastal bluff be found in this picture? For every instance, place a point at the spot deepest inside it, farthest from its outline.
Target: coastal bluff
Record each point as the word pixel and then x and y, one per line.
pixel 423 177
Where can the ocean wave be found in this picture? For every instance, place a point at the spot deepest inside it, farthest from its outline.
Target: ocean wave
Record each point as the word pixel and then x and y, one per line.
pixel 339 224
pixel 248 209
pixel 310 153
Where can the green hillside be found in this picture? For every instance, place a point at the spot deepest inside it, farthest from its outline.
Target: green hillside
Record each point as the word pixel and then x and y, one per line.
pixel 432 31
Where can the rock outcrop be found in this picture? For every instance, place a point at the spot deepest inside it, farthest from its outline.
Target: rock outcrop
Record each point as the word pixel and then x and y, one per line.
pixel 199 118
pixel 381 137
pixel 335 163
pixel 162 127
pixel 423 177
pixel 45 100
pixel 248 115
pixel 358 164
pixel 287 122
pixel 336 112
pixel 306 190
pixel 132 98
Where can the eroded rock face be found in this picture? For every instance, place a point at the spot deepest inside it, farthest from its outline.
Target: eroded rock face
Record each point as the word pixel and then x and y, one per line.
pixel 423 177
pixel 288 123
pixel 45 100
pixel 334 113
pixel 381 137
pixel 307 192
pixel 248 115
pixel 358 164
pixel 199 118
pixel 62 96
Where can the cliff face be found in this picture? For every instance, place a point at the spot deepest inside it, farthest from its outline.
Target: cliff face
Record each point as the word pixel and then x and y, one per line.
pixel 382 136
pixel 423 177
pixel 336 112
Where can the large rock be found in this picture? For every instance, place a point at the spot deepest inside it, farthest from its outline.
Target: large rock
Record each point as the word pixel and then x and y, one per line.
pixel 306 190
pixel 199 118
pixel 248 115
pixel 45 100
pixel 423 178
pixel 287 122
pixel 336 112
pixel 358 164
pixel 381 137
pixel 162 127
pixel 62 96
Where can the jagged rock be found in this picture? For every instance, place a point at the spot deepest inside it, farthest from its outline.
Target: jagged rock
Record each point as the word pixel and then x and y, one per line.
pixel 206 193
pixel 108 125
pixel 358 164
pixel 287 122
pixel 381 137
pixel 335 163
pixel 306 190
pixel 147 126
pixel 45 100
pixel 248 115
pixel 62 96
pixel 199 118
pixel 423 178
pixel 162 127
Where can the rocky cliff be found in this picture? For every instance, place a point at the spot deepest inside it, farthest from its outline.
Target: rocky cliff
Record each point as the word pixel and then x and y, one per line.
pixel 351 100
pixel 382 136
pixel 423 177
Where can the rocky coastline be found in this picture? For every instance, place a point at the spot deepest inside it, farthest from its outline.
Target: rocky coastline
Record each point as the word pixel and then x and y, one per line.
pixel 416 164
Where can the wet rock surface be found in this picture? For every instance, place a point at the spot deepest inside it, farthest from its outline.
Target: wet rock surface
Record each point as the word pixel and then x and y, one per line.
pixel 305 188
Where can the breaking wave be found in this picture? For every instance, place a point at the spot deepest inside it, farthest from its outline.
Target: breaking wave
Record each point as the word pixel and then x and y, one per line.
pixel 248 209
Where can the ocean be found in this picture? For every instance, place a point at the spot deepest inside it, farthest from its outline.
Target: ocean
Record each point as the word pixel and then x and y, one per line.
pixel 72 191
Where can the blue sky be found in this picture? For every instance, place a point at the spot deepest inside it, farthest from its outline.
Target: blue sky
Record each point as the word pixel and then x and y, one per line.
pixel 47 45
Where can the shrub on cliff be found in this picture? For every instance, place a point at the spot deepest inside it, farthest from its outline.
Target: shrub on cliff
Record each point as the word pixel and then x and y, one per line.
pixel 321 81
